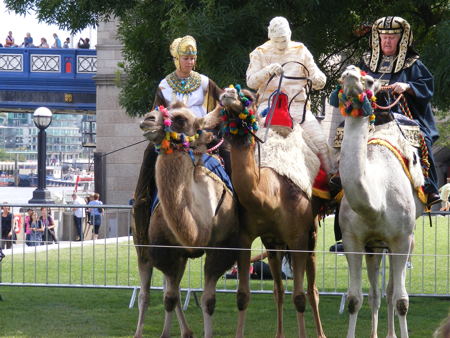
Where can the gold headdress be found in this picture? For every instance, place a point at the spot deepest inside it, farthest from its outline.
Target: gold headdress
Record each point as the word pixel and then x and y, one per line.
pixel 390 25
pixel 182 46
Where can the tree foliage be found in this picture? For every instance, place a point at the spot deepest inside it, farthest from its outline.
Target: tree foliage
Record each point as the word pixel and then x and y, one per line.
pixel 227 31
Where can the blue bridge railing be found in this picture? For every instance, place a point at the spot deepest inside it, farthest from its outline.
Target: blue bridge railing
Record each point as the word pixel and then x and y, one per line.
pixel 57 78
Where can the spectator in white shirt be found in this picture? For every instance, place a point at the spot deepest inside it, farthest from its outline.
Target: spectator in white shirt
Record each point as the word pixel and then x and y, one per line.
pixel 78 215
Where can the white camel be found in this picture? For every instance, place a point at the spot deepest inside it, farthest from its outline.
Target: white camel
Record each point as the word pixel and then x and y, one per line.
pixel 378 210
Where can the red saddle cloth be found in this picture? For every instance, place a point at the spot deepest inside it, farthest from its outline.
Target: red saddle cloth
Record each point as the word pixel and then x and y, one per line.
pixel 280 114
pixel 320 185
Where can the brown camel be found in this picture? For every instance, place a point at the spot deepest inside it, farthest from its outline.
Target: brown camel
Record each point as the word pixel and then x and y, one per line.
pixel 195 210
pixel 281 214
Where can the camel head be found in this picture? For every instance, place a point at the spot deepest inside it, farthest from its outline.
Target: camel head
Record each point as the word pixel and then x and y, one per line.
pixel 180 123
pixel 238 115
pixel 231 100
pixel 152 126
pixel 354 82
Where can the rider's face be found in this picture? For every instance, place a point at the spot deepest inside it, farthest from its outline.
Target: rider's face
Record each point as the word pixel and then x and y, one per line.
pixel 389 43
pixel 280 43
pixel 187 63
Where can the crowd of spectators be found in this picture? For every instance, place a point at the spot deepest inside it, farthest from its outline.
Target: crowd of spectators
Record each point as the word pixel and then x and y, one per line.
pixel 28 42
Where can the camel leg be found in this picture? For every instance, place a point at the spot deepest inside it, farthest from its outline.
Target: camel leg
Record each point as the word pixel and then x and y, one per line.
pixel 400 297
pixel 298 294
pixel 373 270
pixel 216 264
pixel 390 304
pixel 243 292
pixel 355 296
pixel 313 293
pixel 278 288
pixel 172 299
pixel 145 273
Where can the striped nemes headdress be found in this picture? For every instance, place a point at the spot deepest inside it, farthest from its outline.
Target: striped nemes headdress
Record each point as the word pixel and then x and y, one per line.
pixel 390 25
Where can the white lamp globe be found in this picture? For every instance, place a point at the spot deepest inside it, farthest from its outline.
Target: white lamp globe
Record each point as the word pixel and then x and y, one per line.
pixel 42 117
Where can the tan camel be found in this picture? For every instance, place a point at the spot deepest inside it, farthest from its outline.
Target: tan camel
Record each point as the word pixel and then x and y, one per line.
pixel 379 209
pixel 195 210
pixel 282 215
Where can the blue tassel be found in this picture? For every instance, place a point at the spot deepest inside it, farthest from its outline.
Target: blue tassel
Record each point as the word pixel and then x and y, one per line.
pixel 334 99
pixel 366 107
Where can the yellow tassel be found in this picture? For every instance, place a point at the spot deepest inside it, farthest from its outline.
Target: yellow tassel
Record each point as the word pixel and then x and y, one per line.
pixel 174 135
pixel 230 86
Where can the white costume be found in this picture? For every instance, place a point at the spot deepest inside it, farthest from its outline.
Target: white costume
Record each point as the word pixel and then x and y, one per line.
pixel 266 60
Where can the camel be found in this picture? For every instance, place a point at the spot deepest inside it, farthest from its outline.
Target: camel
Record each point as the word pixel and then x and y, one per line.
pixel 277 211
pixel 379 209
pixel 195 210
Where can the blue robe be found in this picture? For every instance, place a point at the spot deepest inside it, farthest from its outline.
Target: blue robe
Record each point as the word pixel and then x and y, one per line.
pixel 421 82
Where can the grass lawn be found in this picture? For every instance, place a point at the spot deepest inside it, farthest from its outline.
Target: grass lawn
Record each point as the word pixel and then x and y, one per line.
pixel 63 312
pixel 45 311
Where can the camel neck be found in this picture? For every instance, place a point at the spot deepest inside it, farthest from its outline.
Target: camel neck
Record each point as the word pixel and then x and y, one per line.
pixel 244 169
pixel 353 164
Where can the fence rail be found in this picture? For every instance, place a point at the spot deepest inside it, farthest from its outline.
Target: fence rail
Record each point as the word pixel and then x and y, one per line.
pixel 110 261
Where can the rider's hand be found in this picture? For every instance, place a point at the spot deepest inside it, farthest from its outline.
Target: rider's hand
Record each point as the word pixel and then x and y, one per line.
pixel 400 87
pixel 275 69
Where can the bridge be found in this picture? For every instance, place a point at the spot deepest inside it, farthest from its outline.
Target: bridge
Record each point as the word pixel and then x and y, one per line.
pixel 60 79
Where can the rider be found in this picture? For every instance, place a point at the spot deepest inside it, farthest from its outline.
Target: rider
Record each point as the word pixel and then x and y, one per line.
pixel 267 60
pixel 393 62
pixel 196 91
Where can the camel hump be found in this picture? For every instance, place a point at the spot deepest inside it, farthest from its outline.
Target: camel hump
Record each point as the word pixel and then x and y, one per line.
pixel 177 105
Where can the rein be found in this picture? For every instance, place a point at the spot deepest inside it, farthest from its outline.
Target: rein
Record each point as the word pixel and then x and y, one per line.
pixel 397 100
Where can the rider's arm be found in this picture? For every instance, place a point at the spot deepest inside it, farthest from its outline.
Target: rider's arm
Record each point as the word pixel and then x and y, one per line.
pixel 317 77
pixel 258 73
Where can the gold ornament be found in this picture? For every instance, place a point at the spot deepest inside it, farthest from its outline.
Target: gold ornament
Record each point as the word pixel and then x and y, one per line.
pixel 182 47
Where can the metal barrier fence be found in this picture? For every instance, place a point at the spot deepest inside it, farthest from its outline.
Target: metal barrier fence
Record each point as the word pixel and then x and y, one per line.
pixel 110 261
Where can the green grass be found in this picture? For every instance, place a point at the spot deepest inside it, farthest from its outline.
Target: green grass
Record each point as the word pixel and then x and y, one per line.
pixel 115 264
pixel 63 312
pixel 59 312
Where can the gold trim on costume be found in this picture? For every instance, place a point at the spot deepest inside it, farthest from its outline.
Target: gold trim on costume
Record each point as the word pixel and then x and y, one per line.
pixel 391 25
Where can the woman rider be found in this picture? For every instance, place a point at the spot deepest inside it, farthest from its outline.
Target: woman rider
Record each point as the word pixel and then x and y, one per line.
pixel 197 92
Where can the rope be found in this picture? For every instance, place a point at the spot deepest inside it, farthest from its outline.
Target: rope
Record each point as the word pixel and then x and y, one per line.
pixel 424 156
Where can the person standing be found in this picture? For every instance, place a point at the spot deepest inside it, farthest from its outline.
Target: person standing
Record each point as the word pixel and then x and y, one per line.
pixel 445 195
pixel 9 41
pixel 28 41
pixel 96 213
pixel 57 43
pixel 48 225
pixel 36 230
pixel 6 227
pixel 44 43
pixel 66 43
pixel 78 215
pixel 27 223
pixel 395 64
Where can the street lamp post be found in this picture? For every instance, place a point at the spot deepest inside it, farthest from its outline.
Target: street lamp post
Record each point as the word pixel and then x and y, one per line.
pixel 42 118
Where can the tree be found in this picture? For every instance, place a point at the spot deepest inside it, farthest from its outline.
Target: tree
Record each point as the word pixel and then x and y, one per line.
pixel 227 31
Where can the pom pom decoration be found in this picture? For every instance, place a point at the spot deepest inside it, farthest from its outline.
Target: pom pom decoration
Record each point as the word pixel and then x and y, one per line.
pixel 245 124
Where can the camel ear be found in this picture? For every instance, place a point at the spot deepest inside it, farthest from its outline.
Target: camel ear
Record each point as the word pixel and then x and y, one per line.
pixel 212 119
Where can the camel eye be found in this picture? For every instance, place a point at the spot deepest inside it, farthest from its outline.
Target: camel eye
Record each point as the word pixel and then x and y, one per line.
pixel 178 122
